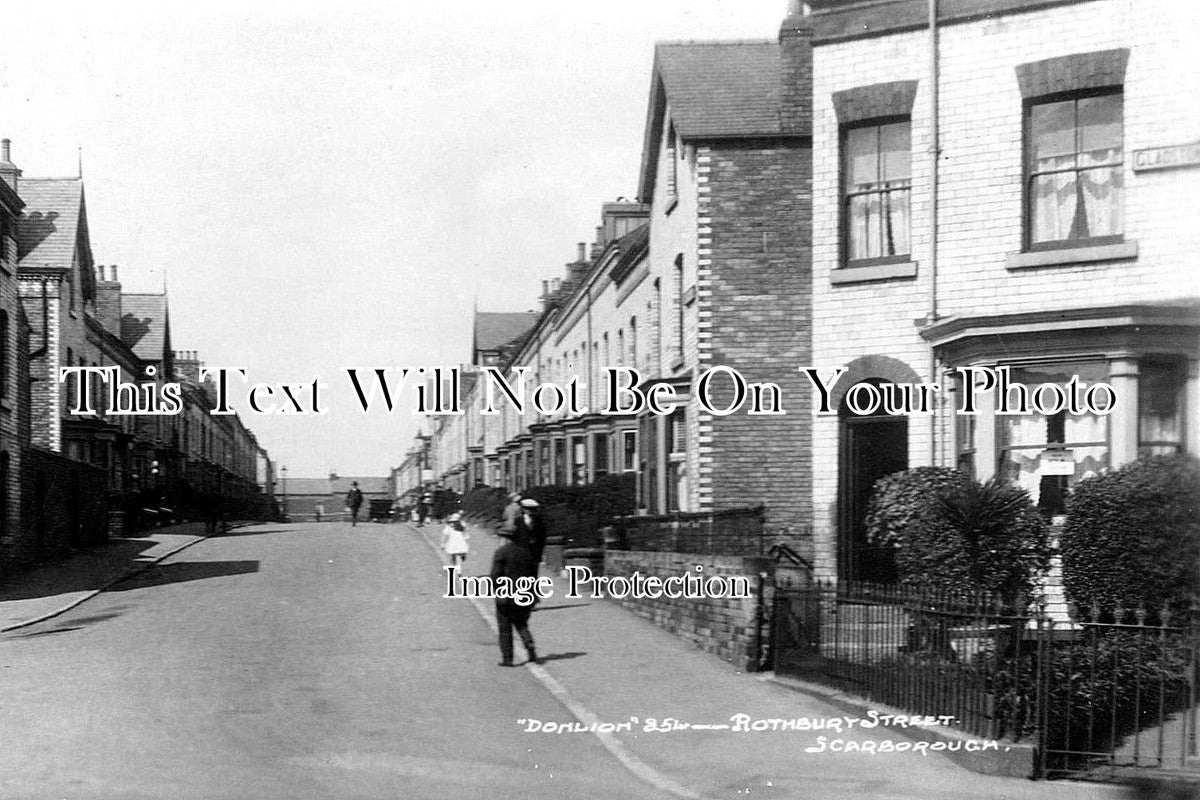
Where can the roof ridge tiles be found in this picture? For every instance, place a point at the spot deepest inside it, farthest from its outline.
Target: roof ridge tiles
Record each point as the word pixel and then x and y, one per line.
pixel 708 42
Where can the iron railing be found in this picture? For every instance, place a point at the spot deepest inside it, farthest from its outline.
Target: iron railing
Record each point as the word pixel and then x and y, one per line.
pixel 1117 693
pixel 1098 696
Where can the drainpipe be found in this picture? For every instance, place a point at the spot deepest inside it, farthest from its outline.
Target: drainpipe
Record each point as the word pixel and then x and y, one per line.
pixel 934 153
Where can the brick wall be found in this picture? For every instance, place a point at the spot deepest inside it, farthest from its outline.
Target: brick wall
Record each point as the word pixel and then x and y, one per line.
pixel 754 289
pixel 725 627
pixel 13 401
pixel 63 507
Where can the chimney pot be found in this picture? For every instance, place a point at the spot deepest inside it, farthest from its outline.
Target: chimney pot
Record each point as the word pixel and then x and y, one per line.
pixel 5 150
pixel 100 269
pixel 113 269
pixel 582 256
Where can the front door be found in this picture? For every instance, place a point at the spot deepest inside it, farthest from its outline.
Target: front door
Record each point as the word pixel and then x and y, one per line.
pixel 870 448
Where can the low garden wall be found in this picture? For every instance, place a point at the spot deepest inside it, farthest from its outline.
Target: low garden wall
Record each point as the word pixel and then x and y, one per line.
pixel 732 628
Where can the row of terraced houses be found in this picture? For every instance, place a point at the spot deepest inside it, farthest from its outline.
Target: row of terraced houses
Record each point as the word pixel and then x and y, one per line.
pixel 69 480
pixel 893 193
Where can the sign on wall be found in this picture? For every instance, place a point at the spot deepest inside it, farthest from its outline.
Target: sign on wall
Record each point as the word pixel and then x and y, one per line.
pixel 1170 157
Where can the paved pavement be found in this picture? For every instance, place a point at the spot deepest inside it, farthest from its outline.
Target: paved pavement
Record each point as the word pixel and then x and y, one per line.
pixel 322 661
pixel 53 588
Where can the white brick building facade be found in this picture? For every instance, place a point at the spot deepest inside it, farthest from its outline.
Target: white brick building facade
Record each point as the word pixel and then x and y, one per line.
pixel 1120 309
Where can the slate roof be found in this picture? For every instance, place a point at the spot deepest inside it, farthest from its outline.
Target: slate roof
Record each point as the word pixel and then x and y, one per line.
pixel 305 485
pixel 368 484
pixel 335 487
pixel 631 249
pixel 46 234
pixel 494 330
pixel 721 89
pixel 715 90
pixel 144 325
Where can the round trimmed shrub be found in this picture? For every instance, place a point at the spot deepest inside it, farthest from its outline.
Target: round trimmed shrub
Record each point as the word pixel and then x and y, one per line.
pixel 1132 536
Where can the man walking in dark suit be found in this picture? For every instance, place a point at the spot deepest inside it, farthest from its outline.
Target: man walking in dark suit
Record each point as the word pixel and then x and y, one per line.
pixel 514 559
pixel 354 501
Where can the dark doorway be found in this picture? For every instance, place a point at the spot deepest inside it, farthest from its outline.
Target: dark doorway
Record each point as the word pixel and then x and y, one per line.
pixel 870 447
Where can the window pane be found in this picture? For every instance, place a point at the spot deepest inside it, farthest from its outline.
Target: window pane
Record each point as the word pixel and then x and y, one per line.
pixel 1160 403
pixel 896 240
pixel 1052 204
pixel 862 157
pixel 856 227
pixel 1100 124
pixel 1052 132
pixel 897 152
pixel 1102 191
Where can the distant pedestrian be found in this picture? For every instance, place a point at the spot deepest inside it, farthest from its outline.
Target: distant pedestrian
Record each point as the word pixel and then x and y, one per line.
pixel 455 539
pixel 320 511
pixel 513 560
pixel 531 527
pixel 511 511
pixel 354 501
pixel 215 516
pixel 423 509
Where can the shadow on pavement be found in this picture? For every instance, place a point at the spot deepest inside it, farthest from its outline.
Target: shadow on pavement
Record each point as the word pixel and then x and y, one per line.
pixel 86 570
pixel 179 572
pixel 77 624
pixel 556 608
pixel 250 531
pixel 563 656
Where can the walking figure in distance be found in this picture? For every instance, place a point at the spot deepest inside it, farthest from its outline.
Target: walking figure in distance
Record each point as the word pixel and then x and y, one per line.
pixel 455 539
pixel 354 500
pixel 514 559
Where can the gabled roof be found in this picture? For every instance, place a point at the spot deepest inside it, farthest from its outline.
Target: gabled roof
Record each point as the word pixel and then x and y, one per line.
pixel 721 88
pixel 145 325
pixel 54 227
pixel 715 90
pixel 496 330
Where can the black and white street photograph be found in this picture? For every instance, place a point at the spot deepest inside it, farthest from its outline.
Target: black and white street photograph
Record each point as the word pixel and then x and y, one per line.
pixel 676 399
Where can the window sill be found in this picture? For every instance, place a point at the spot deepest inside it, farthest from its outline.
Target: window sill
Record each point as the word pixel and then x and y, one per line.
pixel 878 272
pixel 677 363
pixel 672 201
pixel 1121 251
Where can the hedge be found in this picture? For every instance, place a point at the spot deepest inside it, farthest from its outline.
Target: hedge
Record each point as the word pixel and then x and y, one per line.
pixel 485 504
pixel 1132 536
pixel 574 513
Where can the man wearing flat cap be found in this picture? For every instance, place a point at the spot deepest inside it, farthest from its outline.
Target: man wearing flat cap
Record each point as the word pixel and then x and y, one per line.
pixel 514 560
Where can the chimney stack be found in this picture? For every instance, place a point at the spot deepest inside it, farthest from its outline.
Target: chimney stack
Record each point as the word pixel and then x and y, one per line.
pixel 795 69
pixel 108 301
pixel 8 170
pixel 187 365
pixel 581 253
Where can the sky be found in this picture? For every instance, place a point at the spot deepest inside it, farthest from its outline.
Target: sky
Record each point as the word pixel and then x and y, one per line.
pixel 326 186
